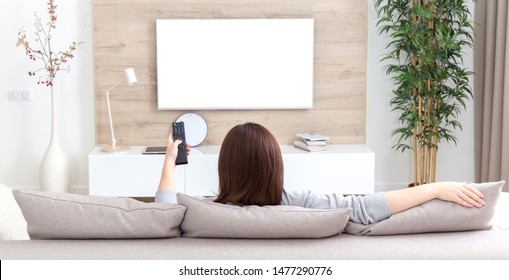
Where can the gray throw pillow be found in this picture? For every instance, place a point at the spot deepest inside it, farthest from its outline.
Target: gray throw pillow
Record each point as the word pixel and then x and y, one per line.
pixel 210 219
pixel 436 216
pixel 71 216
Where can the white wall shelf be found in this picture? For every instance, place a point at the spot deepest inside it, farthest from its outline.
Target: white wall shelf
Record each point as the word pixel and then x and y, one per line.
pixel 346 169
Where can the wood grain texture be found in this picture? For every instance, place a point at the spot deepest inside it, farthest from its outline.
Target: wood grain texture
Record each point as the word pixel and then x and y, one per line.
pixel 125 36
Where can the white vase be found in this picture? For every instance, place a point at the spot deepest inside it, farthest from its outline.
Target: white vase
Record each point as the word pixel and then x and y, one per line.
pixel 54 172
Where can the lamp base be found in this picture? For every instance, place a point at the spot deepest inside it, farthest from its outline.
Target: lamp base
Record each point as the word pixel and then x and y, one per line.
pixel 116 149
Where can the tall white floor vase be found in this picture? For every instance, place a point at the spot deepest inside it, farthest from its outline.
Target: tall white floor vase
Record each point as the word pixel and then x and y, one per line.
pixel 54 172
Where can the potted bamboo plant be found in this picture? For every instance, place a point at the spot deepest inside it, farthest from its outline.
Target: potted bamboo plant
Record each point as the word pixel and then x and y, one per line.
pixel 425 62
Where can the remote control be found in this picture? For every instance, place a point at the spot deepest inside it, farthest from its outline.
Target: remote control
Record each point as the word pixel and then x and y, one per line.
pixel 179 133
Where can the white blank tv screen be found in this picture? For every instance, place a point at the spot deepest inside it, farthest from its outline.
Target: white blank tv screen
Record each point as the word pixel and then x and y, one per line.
pixel 235 63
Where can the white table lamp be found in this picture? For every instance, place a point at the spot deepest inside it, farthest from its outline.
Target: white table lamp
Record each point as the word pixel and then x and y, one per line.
pixel 131 80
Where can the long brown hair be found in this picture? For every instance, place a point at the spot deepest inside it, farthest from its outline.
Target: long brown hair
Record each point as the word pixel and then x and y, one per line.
pixel 250 167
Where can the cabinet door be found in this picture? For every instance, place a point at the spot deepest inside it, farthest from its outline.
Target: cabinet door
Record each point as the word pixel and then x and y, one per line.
pixel 129 175
pixel 201 175
pixel 342 173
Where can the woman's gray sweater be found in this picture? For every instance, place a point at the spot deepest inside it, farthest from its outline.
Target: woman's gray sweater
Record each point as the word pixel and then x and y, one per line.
pixel 367 209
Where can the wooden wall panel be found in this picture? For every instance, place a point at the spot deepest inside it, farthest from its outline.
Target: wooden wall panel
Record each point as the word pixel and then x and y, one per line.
pixel 124 36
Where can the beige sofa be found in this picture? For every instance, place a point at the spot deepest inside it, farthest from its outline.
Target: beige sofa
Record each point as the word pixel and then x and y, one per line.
pixel 480 244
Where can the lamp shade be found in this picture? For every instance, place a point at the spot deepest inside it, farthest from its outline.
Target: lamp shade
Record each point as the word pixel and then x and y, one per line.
pixel 130 76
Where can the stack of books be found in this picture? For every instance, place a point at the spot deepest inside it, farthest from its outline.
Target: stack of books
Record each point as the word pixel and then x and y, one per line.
pixel 311 142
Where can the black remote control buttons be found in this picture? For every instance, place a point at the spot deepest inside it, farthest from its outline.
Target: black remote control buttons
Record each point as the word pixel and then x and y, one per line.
pixel 179 133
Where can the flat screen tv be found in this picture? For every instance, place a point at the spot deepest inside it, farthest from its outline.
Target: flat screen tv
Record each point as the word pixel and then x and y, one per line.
pixel 212 64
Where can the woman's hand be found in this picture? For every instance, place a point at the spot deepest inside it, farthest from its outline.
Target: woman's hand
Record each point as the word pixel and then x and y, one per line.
pixel 172 148
pixel 460 193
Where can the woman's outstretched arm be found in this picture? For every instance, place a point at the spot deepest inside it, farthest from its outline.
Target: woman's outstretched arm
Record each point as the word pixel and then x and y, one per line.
pixel 461 193
pixel 168 173
pixel 167 182
pixel 372 208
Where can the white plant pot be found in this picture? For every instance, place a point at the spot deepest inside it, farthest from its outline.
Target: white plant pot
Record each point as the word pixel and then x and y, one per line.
pixel 54 172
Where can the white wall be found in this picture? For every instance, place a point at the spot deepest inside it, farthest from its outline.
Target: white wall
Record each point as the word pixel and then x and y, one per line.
pixel 25 126
pixel 393 169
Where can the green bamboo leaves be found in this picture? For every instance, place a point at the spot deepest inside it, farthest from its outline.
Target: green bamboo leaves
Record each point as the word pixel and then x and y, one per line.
pixel 425 53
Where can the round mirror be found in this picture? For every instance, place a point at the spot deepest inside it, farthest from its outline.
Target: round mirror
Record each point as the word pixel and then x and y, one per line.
pixel 195 128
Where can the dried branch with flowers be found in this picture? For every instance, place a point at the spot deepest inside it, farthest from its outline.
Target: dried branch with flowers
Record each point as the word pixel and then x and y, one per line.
pixel 53 62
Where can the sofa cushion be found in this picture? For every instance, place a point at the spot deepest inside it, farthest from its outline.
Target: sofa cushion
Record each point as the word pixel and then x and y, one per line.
pixel 71 216
pixel 205 218
pixel 436 216
pixel 12 224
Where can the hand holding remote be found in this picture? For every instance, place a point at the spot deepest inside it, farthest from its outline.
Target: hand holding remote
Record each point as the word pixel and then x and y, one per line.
pixel 179 137
pixel 168 174
pixel 172 148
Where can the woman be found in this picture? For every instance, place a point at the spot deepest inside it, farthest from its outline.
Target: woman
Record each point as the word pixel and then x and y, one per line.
pixel 250 171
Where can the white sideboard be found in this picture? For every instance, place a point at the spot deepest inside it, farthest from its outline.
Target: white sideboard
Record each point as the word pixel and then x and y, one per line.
pixel 345 169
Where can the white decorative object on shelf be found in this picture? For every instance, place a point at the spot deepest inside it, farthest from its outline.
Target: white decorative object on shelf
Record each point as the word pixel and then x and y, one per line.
pixel 196 128
pixel 54 172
